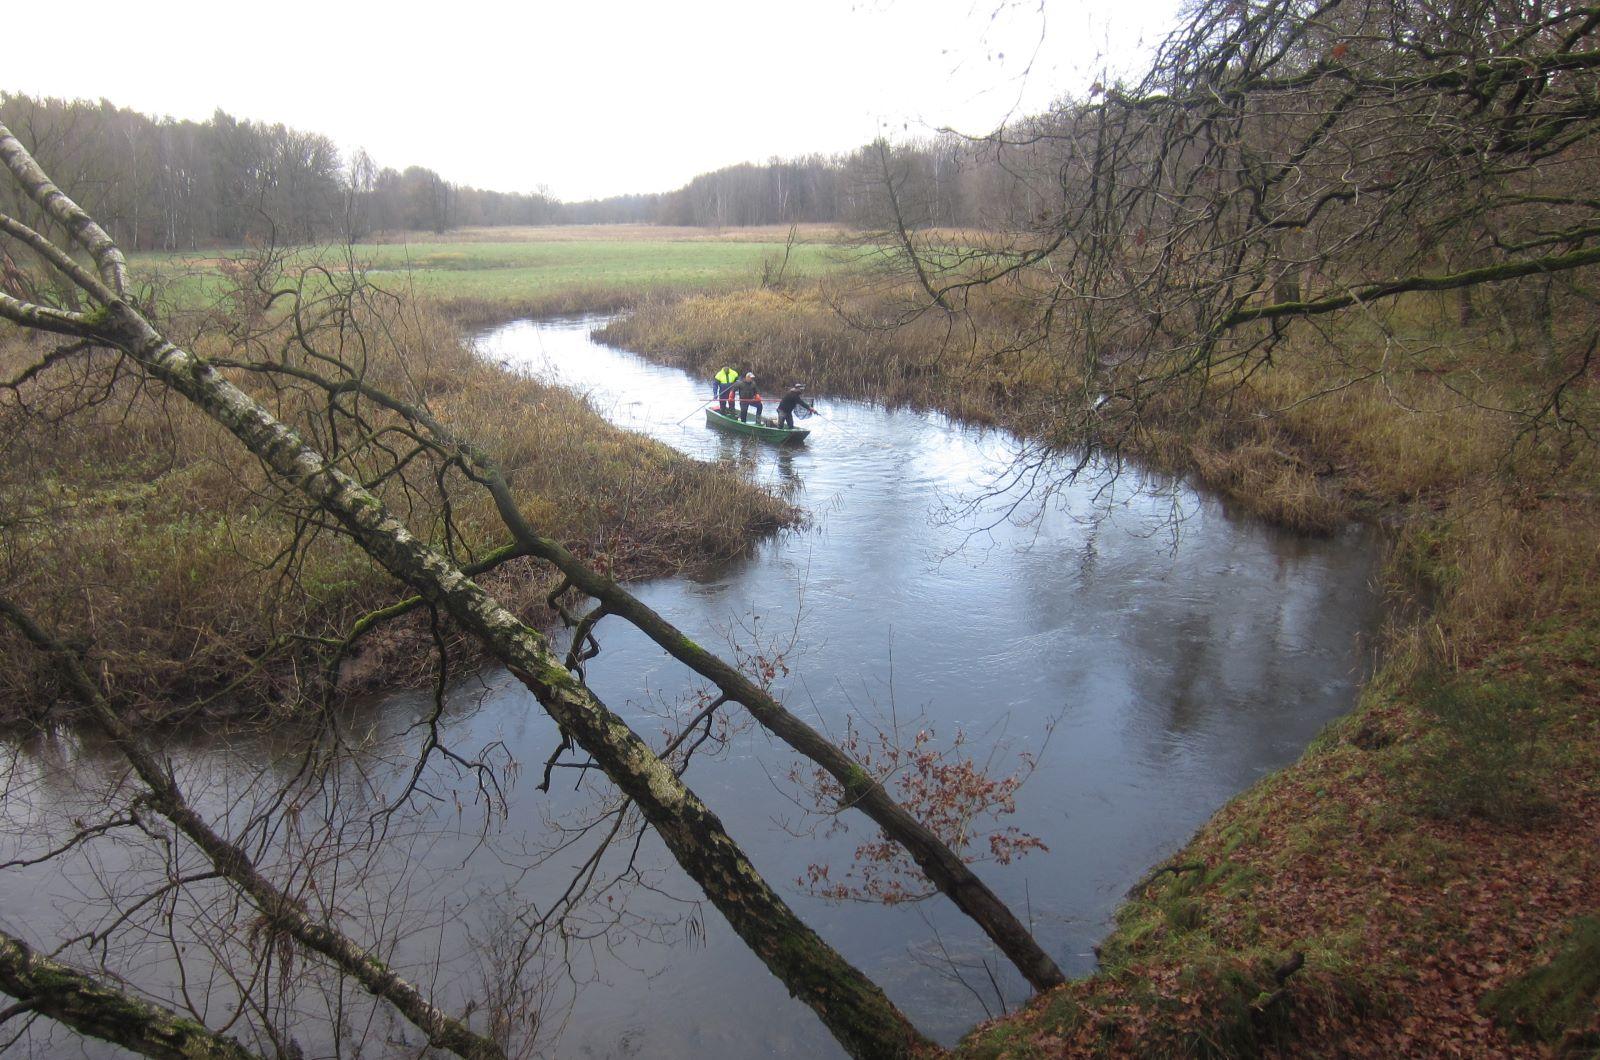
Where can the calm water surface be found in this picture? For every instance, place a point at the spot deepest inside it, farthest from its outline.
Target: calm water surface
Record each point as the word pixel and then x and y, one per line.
pixel 1176 663
pixel 1155 653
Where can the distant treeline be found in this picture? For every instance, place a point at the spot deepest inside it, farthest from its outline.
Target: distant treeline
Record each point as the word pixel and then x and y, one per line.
pixel 942 181
pixel 166 184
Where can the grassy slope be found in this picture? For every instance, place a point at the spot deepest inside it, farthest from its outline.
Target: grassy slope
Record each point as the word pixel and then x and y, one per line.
pixel 1432 849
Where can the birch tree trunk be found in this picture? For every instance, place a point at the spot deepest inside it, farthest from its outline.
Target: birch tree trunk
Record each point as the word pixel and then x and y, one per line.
pixel 853 1008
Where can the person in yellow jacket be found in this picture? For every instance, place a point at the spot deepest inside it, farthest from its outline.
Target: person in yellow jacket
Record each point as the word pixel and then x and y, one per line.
pixel 722 389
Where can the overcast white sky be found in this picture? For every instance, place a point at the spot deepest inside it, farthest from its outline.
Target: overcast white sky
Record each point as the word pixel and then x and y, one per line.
pixel 590 97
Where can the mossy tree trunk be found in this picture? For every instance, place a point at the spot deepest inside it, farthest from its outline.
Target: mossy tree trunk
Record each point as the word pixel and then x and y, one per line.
pixel 93 1007
pixel 860 791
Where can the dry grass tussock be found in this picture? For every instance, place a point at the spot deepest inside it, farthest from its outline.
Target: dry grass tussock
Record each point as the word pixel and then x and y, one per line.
pixel 136 529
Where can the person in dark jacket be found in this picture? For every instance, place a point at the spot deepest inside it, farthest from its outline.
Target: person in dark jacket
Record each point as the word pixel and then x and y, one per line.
pixel 789 401
pixel 749 394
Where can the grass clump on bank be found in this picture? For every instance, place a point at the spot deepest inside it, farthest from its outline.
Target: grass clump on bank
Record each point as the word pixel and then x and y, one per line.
pixel 141 532
pixel 1429 850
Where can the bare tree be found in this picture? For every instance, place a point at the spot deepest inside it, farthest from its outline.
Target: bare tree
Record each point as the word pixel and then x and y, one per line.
pixel 1287 161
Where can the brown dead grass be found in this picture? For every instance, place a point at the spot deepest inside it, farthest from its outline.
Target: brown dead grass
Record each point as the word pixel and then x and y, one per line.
pixel 1300 445
pixel 140 529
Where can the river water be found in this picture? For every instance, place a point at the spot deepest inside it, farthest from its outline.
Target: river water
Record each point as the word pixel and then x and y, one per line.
pixel 1173 654
pixel 1154 654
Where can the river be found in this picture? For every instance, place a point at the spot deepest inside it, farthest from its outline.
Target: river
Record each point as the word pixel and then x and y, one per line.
pixel 1177 661
pixel 1154 653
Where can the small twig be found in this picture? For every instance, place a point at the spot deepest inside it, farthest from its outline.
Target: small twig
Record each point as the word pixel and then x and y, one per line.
pixel 1155 874
pixel 1280 975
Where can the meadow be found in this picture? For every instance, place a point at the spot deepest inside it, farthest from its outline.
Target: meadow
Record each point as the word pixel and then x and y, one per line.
pixel 483 272
pixel 172 524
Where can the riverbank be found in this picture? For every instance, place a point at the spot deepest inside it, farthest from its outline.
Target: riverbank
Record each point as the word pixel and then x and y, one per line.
pixel 1297 445
pixel 1431 859
pixel 139 532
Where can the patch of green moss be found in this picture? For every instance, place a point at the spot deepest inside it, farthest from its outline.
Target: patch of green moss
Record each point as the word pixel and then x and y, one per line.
pixel 857 782
pixel 97 317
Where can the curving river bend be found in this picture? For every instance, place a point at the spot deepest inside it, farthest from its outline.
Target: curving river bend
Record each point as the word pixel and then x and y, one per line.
pixel 1177 662
pixel 1172 654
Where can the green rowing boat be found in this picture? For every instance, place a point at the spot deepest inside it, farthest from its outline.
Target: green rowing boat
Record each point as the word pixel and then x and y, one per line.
pixel 731 424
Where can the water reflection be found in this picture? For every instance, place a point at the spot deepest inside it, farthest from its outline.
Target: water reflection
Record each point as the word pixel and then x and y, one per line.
pixel 1179 654
pixel 1185 654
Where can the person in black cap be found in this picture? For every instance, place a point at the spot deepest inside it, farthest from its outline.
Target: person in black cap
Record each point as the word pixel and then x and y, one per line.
pixel 788 402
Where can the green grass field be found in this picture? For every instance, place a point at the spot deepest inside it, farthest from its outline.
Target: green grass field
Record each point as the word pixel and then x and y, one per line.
pixel 590 265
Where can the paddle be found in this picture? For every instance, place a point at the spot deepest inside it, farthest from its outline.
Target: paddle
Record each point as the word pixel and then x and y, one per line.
pixel 699 408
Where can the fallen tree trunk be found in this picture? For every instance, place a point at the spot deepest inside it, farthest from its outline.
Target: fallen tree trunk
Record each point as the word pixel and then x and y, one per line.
pixel 853 1008
pixel 861 791
pixel 93 1007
